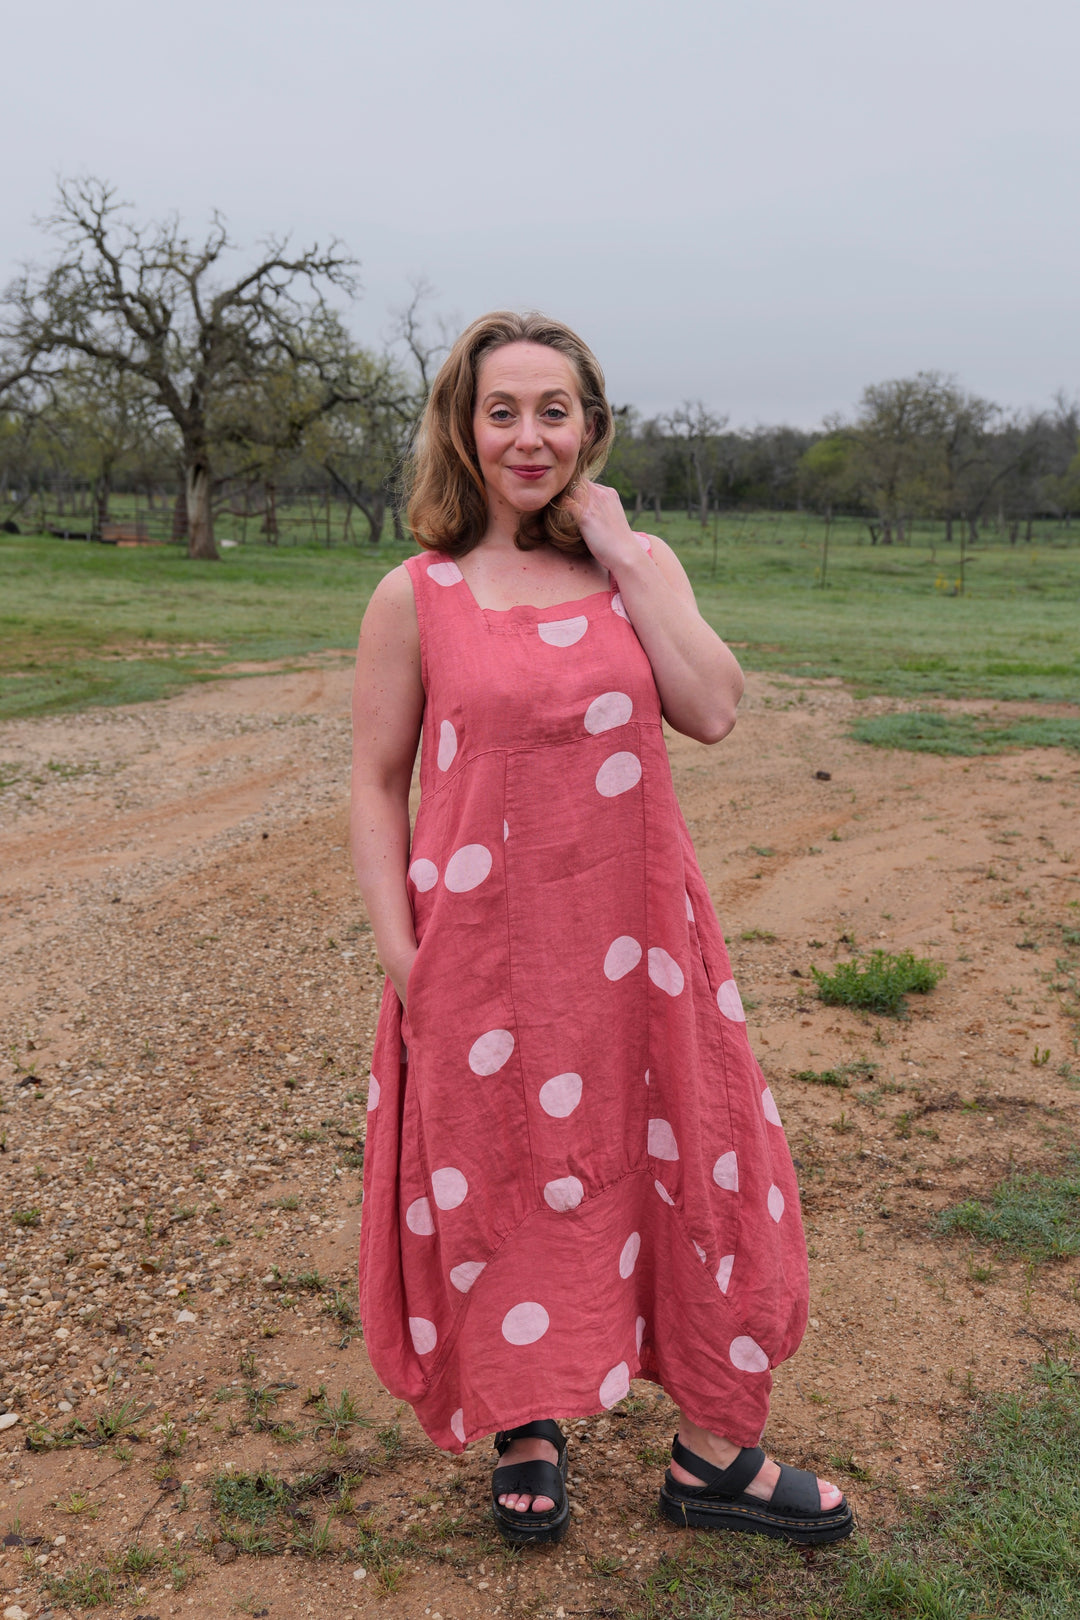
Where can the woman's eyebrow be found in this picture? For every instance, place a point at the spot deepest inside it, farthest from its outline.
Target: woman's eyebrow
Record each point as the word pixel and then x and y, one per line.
pixel 503 393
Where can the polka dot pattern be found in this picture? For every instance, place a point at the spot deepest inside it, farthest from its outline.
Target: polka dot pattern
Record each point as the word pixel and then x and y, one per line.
pixel 700 1252
pixel 424 874
pixel 560 1095
pixel 618 774
pixel 445 573
pixel 419 1219
pixel 448 746
pixel 664 1194
pixel 423 1335
pixel 563 632
pixel 564 1193
pixel 639 1333
pixel 490 1051
pixel 628 1258
pixel 776 1203
pixel 662 1144
pixel 467 868
pixel 623 955
pixel 619 607
pixel 609 710
pixel 464 1275
pixel 616 1386
pixel 725 1172
pixel 772 1113
pixel 449 1187
pixel 374 1092
pixel 665 972
pixel 525 1323
pixel 457 1425
pixel 748 1356
pixel 729 1002
pixel 723 1272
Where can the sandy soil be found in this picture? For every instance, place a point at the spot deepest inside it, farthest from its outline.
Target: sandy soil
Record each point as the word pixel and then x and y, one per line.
pixel 190 996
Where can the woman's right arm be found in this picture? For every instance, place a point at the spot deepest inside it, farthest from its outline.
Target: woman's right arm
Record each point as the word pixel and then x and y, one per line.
pixel 387 711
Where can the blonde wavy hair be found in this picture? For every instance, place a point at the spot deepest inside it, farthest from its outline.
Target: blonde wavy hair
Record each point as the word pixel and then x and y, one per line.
pixel 447 505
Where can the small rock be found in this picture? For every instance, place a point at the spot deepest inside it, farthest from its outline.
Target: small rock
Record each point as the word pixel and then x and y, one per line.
pixel 186 1316
pixel 823 776
pixel 13 1612
pixel 224 1552
pixel 64 1406
pixel 359 1574
pixel 9 1420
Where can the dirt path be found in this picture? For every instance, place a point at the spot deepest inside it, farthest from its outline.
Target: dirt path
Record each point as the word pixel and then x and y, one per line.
pixel 190 995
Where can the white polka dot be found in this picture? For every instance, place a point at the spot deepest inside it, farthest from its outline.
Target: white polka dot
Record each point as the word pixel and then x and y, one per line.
pixel 618 774
pixel 723 1272
pixel 445 573
pixel 447 746
pixel 725 1172
pixel 616 1386
pixel 449 1187
pixel 467 868
pixel 665 1195
pixel 747 1355
pixel 689 909
pixel 662 1144
pixel 506 831
pixel 566 1193
pixel 374 1092
pixel 457 1425
pixel 639 1333
pixel 419 1219
pixel 648 1072
pixel 775 1202
pixel 465 1275
pixel 665 972
pixel 630 1251
pixel 623 955
pixel 560 1095
pixel 700 1252
pixel 619 607
pixel 562 632
pixel 425 874
pixel 772 1113
pixel 609 710
pixel 643 541
pixel 424 1336
pixel 525 1323
pixel 729 1001
pixel 488 1054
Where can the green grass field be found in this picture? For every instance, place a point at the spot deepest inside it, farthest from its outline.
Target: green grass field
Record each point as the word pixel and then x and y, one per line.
pixel 82 624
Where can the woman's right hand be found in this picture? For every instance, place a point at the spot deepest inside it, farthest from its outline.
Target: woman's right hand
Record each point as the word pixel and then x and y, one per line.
pixel 398 974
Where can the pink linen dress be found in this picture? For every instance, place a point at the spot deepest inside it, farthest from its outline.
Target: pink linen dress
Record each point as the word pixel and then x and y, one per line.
pixel 575 1174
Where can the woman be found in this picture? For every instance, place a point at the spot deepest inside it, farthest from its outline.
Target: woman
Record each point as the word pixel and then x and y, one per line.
pixel 575 1174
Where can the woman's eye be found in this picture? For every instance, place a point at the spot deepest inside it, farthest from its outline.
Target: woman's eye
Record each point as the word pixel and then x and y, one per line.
pixel 556 413
pixel 501 414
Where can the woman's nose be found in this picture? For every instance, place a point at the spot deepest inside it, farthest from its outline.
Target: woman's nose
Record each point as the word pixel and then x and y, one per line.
pixel 528 433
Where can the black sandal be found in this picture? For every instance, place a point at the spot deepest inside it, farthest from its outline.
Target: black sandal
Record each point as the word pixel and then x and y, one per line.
pixel 531 1479
pixel 793 1512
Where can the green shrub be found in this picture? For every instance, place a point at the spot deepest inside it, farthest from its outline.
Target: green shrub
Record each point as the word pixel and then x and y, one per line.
pixel 878 982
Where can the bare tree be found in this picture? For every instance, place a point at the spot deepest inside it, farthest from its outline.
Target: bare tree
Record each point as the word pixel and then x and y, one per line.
pixel 699 430
pixel 149 303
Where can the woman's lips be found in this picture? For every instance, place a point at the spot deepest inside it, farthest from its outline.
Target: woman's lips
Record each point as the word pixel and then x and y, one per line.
pixel 529 473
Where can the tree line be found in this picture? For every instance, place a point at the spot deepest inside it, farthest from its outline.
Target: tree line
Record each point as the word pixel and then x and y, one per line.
pixel 144 361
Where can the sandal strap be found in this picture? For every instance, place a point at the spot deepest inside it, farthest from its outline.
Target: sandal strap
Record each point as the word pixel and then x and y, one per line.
pixel 730 1481
pixel 542 1429
pixel 796 1491
pixel 529 1479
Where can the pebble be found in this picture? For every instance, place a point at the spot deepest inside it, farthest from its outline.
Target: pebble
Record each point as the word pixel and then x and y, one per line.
pixel 359 1574
pixel 13 1612
pixel 8 1421
pixel 186 1316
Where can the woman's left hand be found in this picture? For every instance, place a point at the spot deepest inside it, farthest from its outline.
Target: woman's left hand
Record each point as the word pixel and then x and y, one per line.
pixel 598 512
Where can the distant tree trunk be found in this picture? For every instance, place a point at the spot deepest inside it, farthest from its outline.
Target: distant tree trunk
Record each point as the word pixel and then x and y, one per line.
pixel 270 519
pixel 638 503
pixel 102 491
pixel 657 509
pixel 179 516
pixel 948 531
pixel 1028 530
pixel 200 511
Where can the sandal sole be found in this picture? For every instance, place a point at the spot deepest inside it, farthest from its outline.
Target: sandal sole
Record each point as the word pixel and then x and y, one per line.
pixel 521 1535
pixel 756 1520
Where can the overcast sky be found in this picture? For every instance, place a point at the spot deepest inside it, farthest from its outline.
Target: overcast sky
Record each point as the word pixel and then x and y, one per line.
pixel 765 204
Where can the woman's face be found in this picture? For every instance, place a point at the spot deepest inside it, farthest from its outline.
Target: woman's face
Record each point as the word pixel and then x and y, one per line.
pixel 528 424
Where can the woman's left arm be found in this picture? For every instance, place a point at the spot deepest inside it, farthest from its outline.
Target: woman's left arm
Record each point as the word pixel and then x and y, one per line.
pixel 698 677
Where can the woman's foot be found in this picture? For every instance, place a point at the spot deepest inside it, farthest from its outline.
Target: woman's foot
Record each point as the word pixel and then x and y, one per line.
pixel 722 1453
pixel 524 1451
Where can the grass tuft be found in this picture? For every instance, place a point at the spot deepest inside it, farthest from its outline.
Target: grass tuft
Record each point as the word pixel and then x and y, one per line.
pixel 1035 1216
pixel 878 982
pixel 927 732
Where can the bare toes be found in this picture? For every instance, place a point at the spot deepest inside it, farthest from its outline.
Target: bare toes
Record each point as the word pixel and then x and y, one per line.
pixel 830 1496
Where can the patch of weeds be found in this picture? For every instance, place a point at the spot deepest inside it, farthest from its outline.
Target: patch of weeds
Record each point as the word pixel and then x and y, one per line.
pixel 314 1540
pixel 841 1077
pixel 380 1555
pixel 762 935
pixel 138 1560
pixel 122 1420
pixel 878 982
pixel 846 1463
pixel 289 1201
pixel 173 1439
pixel 341 1308
pixel 308 1133
pixel 336 1416
pixel 251 1498
pixel 310 1282
pixel 84 1586
pixel 393 1443
pixel 1036 1216
pixel 80 1505
pixel 27 1217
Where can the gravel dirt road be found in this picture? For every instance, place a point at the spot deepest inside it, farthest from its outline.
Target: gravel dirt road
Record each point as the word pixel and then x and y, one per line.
pixel 189 999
